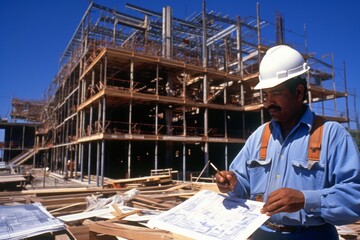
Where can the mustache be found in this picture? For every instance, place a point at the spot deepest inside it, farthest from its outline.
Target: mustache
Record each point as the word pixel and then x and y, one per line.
pixel 275 107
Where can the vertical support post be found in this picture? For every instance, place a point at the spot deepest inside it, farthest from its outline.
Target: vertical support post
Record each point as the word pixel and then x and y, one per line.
pixel 333 82
pixel 130 114
pixel 76 152
pixel 184 162
pixel 89 162
pixel 98 144
pixel 131 91
pixel 129 160
pixel 259 55
pixel 309 100
pixel 205 84
pixel 184 121
pixel 102 161
pixel 156 120
pixel 66 158
pixel 347 101
pixel 89 151
pixel 241 73
pixel 104 114
pixel 204 29
pixel 103 141
pixel 98 163
pixel 167 39
pixel 81 152
pixel 23 138
pixel 226 157
pixel 105 71
pixel 114 32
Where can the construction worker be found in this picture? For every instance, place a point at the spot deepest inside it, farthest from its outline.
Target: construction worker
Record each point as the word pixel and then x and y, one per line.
pixel 71 167
pixel 304 195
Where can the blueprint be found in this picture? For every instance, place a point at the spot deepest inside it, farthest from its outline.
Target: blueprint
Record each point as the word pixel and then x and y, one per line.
pixel 209 215
pixel 18 222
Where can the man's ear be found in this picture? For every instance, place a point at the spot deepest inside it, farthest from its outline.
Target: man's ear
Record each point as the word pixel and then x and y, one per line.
pixel 300 92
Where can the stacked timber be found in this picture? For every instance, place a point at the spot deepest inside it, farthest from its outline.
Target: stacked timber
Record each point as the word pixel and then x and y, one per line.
pixel 95 212
pixel 120 210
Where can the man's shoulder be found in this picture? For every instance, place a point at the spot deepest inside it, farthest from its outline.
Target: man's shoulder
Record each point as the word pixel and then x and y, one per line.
pixel 334 130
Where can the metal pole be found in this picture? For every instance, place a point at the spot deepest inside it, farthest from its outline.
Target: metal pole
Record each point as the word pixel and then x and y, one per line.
pixel 103 141
pixel 156 119
pixel 259 55
pixel 333 81
pixel 205 83
pixel 184 161
pixel 202 171
pixel 129 160
pixel 76 152
pixel 98 163
pixel 102 161
pixel 347 101
pixel 89 152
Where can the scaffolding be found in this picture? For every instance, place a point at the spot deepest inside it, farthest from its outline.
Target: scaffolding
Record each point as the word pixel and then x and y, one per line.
pixel 27 110
pixel 157 92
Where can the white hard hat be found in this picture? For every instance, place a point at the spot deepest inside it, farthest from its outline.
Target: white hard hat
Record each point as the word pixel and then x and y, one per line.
pixel 279 64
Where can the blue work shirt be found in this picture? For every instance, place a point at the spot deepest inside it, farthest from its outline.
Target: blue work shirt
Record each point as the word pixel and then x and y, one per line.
pixel 331 186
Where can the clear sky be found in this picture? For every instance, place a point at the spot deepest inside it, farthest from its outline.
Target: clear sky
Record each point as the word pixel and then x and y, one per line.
pixel 35 33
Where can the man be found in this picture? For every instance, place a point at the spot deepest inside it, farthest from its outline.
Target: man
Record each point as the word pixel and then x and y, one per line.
pixel 304 198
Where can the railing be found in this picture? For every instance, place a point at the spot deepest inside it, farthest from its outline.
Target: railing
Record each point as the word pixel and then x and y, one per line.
pixel 147 128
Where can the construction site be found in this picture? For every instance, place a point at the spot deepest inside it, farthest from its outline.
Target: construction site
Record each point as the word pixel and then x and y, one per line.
pixel 157 92
pixel 153 95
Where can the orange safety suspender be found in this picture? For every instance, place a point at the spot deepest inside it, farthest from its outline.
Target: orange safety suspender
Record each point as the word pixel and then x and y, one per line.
pixel 314 148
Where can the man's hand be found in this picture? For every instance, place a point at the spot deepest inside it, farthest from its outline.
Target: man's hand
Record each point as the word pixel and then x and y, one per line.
pixel 226 181
pixel 283 200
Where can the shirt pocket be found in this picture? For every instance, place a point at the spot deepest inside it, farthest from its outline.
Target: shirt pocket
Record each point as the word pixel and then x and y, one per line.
pixel 258 171
pixel 309 174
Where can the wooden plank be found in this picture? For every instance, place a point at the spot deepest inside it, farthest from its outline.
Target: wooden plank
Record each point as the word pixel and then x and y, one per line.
pixel 137 204
pixel 127 231
pixel 84 215
pixel 152 202
pixel 140 179
pixel 12 178
pixel 120 215
pixel 80 232
pixel 171 189
pixel 66 207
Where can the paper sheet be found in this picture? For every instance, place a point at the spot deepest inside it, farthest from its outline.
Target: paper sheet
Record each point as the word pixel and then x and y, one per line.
pixel 209 215
pixel 18 222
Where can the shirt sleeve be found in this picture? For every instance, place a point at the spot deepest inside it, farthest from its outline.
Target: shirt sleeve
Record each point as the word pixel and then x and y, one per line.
pixel 339 201
pixel 239 164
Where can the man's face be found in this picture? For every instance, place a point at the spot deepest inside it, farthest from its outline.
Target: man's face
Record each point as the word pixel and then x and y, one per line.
pixel 283 106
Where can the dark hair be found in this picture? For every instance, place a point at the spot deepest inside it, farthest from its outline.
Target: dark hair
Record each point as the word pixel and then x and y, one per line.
pixel 294 82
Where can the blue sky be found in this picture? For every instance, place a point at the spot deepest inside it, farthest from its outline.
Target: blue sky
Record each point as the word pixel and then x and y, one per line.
pixel 35 33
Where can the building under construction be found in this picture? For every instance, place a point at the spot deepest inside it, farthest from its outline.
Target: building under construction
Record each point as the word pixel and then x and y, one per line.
pixel 156 92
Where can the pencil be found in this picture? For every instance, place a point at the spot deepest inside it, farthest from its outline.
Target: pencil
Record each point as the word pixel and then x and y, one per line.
pixel 222 175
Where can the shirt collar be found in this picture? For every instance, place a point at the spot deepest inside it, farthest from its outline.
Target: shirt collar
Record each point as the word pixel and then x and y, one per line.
pixel 306 119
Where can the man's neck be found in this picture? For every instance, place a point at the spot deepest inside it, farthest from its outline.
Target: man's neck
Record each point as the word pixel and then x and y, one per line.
pixel 286 127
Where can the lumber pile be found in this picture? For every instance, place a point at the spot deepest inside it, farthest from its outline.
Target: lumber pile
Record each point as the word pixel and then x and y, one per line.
pixel 97 213
pixel 141 181
pixel 12 181
pixel 121 210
